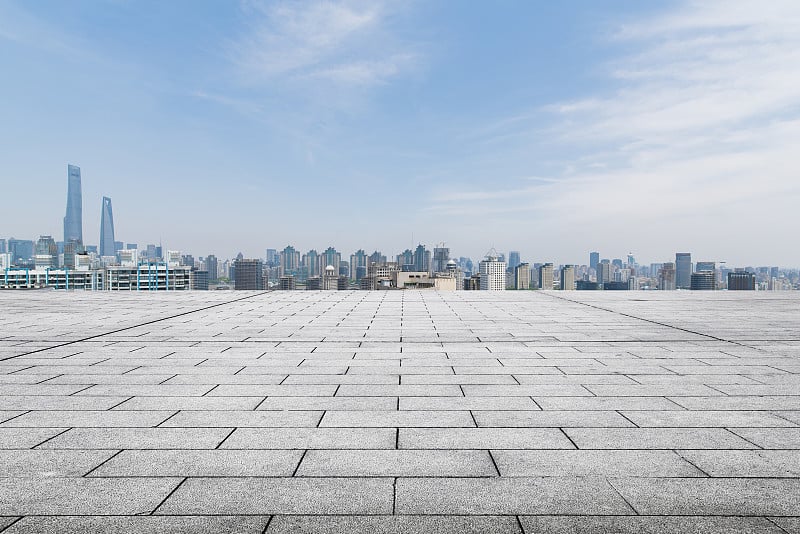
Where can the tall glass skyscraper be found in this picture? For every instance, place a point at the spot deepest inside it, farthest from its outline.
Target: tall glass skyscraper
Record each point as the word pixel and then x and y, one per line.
pixel 107 247
pixel 73 220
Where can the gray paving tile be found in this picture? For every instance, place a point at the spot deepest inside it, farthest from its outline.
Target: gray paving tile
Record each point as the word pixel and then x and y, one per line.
pixel 543 463
pixel 791 525
pixel 395 463
pixel 711 496
pixel 25 438
pixel 739 403
pixel 44 463
pixel 138 438
pixel 329 403
pixel 656 438
pixel 710 418
pixel 266 419
pixel 483 438
pixel 476 496
pixel 84 496
pixel 731 463
pixel 42 402
pixel 137 524
pixel 189 403
pixel 370 390
pixel 536 390
pixel 646 525
pixel 394 524
pixel 606 403
pixel 200 463
pixel 311 438
pixel 404 418
pixel 771 438
pixel 281 496
pixel 551 418
pixel 88 418
pixel 467 403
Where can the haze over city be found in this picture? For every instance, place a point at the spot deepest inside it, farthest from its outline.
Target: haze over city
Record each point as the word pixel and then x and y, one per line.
pixel 546 128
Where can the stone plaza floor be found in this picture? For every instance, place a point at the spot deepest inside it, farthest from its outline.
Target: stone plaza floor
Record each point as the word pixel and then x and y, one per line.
pixel 400 412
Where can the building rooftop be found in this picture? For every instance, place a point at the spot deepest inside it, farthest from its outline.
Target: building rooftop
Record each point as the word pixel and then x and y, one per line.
pixel 412 411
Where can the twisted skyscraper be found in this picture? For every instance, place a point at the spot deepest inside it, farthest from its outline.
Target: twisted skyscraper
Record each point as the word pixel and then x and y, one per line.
pixel 73 220
pixel 107 247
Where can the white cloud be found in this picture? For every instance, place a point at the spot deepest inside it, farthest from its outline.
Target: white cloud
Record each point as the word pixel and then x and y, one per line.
pixel 703 126
pixel 346 42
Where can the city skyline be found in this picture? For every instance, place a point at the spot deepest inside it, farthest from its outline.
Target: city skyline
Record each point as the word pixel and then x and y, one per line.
pixel 551 129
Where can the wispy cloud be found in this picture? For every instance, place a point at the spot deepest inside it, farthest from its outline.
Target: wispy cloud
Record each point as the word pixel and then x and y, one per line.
pixel 346 43
pixel 704 118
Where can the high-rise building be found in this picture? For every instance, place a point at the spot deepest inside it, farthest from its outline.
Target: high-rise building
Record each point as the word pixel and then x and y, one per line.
pixel 73 220
pixel 741 281
pixel 249 274
pixel 107 246
pixel 522 276
pixel 331 257
pixel 703 281
pixel 312 265
pixel 513 259
pixel 358 264
pixel 46 253
pixel 666 276
pixel 441 255
pixel 421 259
pixel 72 248
pixel 199 280
pixel 289 260
pixel 603 272
pixel 705 266
pixel 273 258
pixel 546 276
pixel 212 266
pixel 493 273
pixel 594 259
pixel 567 278
pixel 406 260
pixel 683 270
pixel 3 246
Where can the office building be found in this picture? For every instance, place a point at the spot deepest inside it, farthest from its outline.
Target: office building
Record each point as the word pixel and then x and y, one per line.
pixel 358 264
pixel 288 283
pixel 546 276
pixel 3 246
pixel 311 263
pixel 683 270
pixel 73 219
pixel 741 281
pixel 212 266
pixel 46 253
pixel 441 255
pixel 594 259
pixel 199 280
pixel 492 273
pixel 567 278
pixel 705 266
pixel 22 251
pixel 289 260
pixel 603 272
pixel 71 249
pixel 703 281
pixel 522 276
pixel 273 258
pixel 513 260
pixel 249 274
pixel 406 260
pixel 149 276
pixel 421 259
pixel 666 276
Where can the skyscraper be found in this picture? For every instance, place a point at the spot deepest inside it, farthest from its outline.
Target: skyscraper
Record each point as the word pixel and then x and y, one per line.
pixel 567 278
pixel 249 274
pixel 683 270
pixel 107 246
pixel 212 266
pixel 546 276
pixel 513 259
pixel 594 259
pixel 493 273
pixel 73 220
pixel 522 276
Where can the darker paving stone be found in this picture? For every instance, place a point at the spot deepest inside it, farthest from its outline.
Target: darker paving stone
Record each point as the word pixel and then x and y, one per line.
pixel 139 524
pixel 477 496
pixel 396 524
pixel 647 525
pixel 281 496
pixel 395 463
pixel 404 418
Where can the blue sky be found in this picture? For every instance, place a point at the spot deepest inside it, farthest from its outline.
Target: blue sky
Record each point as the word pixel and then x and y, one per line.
pixel 553 128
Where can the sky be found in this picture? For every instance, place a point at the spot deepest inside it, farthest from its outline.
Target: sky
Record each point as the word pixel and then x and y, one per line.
pixel 552 128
